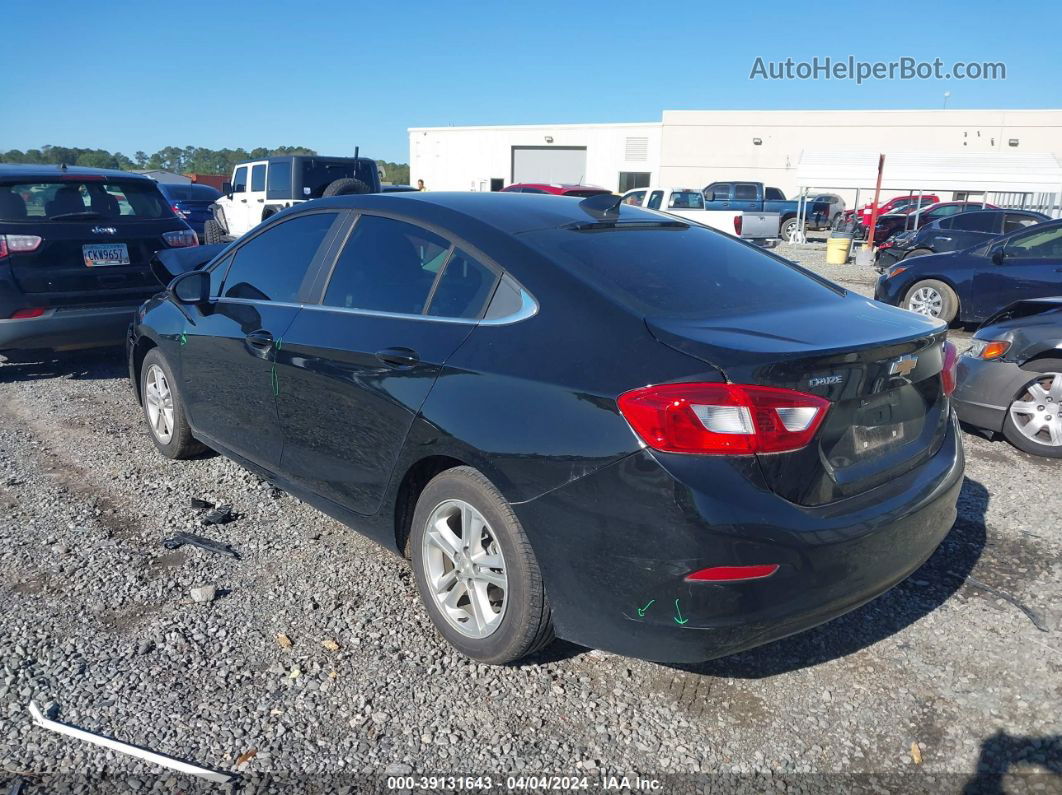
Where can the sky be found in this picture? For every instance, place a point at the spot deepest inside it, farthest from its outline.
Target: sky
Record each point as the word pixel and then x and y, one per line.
pixel 128 76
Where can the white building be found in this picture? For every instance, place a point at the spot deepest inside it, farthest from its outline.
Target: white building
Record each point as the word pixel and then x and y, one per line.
pixel 693 148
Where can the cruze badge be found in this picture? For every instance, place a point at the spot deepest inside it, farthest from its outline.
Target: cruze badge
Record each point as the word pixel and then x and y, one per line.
pixel 904 365
pixel 825 380
pixel 104 230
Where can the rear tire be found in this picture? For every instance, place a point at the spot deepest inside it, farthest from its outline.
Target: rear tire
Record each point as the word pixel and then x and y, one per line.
pixel 917 252
pixel 788 227
pixel 1025 410
pixel 346 187
pixel 467 544
pixel 164 409
pixel 932 298
pixel 212 232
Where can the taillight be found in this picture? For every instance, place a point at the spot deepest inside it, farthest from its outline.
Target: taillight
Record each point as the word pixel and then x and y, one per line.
pixel 732 419
pixel 178 211
pixel 737 225
pixel 180 238
pixel 25 314
pixel 947 372
pixel 18 244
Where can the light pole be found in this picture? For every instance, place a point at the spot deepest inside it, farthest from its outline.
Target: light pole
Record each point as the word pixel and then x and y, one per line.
pixel 946 95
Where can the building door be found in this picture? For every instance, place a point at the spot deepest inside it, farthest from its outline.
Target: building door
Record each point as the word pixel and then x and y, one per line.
pixel 549 164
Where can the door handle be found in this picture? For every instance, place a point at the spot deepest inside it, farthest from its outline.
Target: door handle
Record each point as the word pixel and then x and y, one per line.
pixel 261 200
pixel 398 357
pixel 944 238
pixel 262 340
pixel 244 201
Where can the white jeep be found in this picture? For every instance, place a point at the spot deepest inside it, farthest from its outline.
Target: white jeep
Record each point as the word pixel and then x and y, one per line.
pixel 261 188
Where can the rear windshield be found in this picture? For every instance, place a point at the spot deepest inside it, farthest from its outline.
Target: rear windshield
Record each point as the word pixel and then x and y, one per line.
pixel 318 174
pixel 195 193
pixel 681 272
pixel 72 200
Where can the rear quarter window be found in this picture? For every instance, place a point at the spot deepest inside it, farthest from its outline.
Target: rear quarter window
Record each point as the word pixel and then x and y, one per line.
pixel 684 272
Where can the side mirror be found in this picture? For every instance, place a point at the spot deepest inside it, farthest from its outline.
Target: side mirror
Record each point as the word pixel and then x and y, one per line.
pixel 226 188
pixel 997 255
pixel 190 289
pixel 709 195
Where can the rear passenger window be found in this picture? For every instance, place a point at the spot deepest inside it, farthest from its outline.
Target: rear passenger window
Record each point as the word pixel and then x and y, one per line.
pixel 258 177
pixel 1012 223
pixel 272 265
pixel 744 192
pixel 464 288
pixel 386 266
pixel 279 181
pixel 977 222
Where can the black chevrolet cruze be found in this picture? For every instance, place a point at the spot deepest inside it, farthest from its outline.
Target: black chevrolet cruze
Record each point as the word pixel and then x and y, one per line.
pixel 577 419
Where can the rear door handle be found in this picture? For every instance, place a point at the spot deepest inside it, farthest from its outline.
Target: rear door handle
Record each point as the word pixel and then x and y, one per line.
pixel 261 200
pixel 398 357
pixel 261 339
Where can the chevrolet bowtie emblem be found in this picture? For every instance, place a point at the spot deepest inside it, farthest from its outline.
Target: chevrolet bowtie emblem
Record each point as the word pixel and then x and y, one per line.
pixel 904 365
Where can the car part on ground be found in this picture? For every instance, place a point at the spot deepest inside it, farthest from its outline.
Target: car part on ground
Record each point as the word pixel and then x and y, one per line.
pixel 178 540
pixel 147 755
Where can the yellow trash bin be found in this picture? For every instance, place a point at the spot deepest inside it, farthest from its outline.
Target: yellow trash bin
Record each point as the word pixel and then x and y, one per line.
pixel 838 249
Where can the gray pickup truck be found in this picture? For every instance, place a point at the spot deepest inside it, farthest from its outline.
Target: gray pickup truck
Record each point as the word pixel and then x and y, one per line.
pixel 755 226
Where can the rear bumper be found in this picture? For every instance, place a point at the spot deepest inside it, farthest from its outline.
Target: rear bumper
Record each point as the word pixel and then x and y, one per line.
pixel 68 328
pixel 984 390
pixel 615 547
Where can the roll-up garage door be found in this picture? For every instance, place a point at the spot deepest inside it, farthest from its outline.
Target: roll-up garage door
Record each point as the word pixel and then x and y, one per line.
pixel 549 164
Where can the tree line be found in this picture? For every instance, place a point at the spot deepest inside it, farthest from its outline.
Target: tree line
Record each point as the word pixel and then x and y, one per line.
pixel 179 160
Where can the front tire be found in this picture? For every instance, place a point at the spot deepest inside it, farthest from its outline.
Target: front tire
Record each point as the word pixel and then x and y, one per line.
pixel 932 298
pixel 212 232
pixel 475 570
pixel 1033 422
pixel 917 252
pixel 164 410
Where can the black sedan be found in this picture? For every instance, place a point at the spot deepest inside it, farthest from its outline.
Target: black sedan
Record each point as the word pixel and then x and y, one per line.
pixel 1010 380
pixel 956 233
pixel 578 418
pixel 971 285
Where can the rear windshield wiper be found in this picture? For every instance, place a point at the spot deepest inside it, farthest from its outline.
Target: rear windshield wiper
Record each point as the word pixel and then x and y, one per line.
pixel 592 226
pixel 81 214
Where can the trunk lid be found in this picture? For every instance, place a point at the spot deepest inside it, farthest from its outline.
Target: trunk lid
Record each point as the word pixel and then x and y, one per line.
pixel 879 367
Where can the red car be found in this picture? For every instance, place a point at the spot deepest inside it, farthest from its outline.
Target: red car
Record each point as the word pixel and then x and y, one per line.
pixel 558 190
pixel 893 205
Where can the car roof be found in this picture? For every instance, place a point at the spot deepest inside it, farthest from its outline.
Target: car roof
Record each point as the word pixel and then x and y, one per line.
pixel 50 172
pixel 463 212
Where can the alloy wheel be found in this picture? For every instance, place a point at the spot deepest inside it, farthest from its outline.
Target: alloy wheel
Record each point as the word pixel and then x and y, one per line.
pixel 926 301
pixel 465 569
pixel 159 402
pixel 1036 412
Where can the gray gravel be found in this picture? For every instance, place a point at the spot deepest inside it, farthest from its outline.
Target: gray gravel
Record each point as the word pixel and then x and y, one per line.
pixel 97 617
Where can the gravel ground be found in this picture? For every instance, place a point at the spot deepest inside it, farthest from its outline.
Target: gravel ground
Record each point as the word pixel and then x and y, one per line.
pixel 943 681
